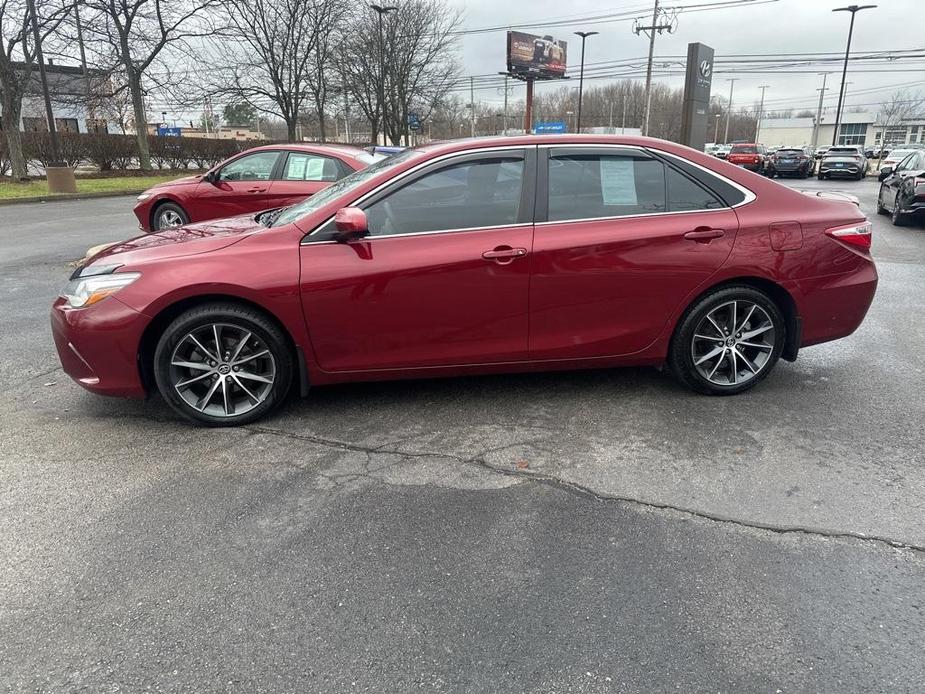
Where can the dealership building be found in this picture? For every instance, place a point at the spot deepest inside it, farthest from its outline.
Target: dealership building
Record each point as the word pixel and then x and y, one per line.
pixel 855 129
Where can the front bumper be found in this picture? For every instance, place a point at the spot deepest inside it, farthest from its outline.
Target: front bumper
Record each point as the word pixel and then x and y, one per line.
pixel 142 211
pixel 98 346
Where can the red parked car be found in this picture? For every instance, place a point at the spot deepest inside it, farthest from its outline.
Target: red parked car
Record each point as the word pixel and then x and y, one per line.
pixel 475 256
pixel 749 156
pixel 256 179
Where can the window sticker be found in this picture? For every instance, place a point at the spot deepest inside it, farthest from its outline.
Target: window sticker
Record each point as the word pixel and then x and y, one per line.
pixel 315 169
pixel 296 168
pixel 618 181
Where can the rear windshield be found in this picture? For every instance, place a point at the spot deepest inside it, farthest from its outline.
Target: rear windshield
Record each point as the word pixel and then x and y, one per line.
pixel 744 149
pixel 789 152
pixel 843 150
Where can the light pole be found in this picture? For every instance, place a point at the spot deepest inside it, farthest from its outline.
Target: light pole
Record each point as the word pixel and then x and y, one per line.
pixel 760 113
pixel 569 114
pixel 853 9
pixel 732 81
pixel 381 10
pixel 818 123
pixel 716 129
pixel 581 73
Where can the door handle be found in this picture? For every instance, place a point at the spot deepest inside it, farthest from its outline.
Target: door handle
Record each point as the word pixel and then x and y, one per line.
pixel 256 190
pixel 503 255
pixel 704 234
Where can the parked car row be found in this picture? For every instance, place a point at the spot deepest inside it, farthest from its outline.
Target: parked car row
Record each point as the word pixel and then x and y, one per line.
pixel 846 161
pixel 474 256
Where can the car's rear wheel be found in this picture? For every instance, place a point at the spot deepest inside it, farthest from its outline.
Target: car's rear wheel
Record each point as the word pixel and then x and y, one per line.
pixel 728 341
pixel 168 215
pixel 880 208
pixel 223 364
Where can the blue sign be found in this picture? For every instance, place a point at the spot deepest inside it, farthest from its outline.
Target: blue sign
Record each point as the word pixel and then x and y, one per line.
pixel 164 131
pixel 414 121
pixel 551 127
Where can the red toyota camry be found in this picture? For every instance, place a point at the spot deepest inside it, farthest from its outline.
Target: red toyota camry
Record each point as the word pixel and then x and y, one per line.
pixel 475 256
pixel 257 179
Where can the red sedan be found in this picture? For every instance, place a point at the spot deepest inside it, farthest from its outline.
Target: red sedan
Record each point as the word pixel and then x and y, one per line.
pixel 256 179
pixel 477 256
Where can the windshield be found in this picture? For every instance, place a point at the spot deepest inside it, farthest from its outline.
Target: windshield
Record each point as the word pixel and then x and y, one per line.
pixel 335 190
pixel 744 149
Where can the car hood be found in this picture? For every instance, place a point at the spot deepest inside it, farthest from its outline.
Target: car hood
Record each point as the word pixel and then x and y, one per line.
pixel 191 239
pixel 185 180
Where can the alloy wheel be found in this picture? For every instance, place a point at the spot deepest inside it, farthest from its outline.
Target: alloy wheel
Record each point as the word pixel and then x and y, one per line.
pixel 222 370
pixel 169 219
pixel 733 343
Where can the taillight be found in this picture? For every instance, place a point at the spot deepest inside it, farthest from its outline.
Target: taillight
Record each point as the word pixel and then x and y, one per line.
pixel 857 235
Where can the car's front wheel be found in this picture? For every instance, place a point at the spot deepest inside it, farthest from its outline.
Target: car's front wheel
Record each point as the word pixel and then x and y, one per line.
pixel 223 364
pixel 168 215
pixel 880 208
pixel 897 216
pixel 728 341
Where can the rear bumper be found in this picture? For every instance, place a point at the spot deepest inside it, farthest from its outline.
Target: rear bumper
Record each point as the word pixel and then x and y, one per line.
pixel 917 208
pixel 851 171
pixel 98 346
pixel 751 166
pixel 835 306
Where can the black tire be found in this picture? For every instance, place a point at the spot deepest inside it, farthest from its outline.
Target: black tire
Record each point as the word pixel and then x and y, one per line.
pixel 165 214
pixel 896 216
pixel 265 333
pixel 821 177
pixel 680 352
pixel 880 208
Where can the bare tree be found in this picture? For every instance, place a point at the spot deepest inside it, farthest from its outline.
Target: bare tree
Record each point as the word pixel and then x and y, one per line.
pixel 276 43
pixel 902 106
pixel 18 63
pixel 322 78
pixel 418 51
pixel 136 34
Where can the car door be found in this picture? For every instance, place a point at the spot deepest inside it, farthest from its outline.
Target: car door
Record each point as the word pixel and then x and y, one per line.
pixel 441 279
pixel 621 239
pixel 893 182
pixel 239 187
pixel 302 174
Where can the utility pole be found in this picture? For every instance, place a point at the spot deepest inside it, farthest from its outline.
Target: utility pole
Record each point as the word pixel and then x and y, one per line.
pixel 818 123
pixel 853 9
pixel 716 129
pixel 581 75
pixel 471 106
pixel 760 113
pixel 381 10
pixel 650 31
pixel 732 81
pixel 505 104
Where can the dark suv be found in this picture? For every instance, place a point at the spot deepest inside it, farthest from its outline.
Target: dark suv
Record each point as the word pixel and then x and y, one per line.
pixel 791 161
pixel 848 161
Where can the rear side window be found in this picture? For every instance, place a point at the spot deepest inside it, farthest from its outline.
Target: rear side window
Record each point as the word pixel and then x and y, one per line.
pixel 685 195
pixel 592 186
pixel 302 166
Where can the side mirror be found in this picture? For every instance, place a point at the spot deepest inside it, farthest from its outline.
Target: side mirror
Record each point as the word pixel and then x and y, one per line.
pixel 351 224
pixel 885 172
pixel 210 176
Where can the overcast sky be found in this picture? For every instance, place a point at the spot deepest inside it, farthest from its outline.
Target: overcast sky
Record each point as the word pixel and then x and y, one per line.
pixel 791 26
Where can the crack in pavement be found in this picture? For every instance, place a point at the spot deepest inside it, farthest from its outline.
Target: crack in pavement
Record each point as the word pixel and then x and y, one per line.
pixel 575 487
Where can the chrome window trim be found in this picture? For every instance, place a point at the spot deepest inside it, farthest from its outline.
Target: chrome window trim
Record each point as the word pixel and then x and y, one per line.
pixel 749 195
pixel 413 169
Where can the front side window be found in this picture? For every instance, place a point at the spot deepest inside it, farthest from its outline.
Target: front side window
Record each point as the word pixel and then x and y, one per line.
pixel 251 167
pixel 590 186
pixel 302 166
pixel 471 194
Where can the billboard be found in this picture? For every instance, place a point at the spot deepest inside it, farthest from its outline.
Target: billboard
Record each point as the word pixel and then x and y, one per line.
pixel 536 56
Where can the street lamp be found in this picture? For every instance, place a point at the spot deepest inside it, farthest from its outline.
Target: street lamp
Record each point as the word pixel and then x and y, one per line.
pixel 853 9
pixel 381 10
pixel 581 74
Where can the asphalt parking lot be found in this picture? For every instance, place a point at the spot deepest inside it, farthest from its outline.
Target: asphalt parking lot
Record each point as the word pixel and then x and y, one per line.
pixel 572 532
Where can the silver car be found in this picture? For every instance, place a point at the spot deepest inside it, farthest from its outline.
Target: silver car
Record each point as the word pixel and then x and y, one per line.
pixel 846 161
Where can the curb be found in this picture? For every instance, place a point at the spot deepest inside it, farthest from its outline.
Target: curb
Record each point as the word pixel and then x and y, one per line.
pixel 71 196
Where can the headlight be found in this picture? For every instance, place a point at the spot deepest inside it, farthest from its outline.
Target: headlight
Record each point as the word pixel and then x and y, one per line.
pixel 144 196
pixel 86 291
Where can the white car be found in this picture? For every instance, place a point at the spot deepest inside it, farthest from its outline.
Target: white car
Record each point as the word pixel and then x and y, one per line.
pixel 895 156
